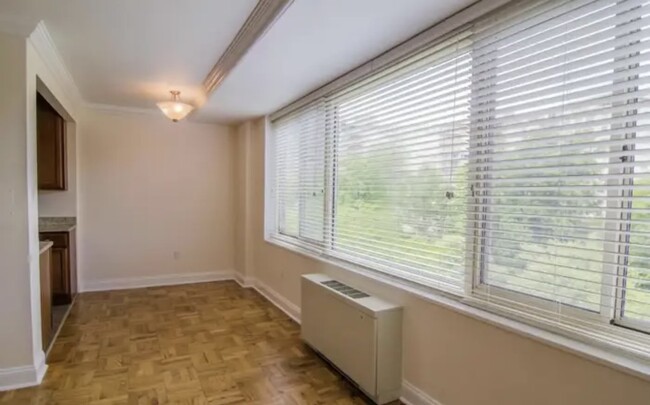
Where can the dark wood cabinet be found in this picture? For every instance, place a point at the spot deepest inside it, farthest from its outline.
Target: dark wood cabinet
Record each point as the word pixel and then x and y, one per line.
pixel 63 271
pixel 46 298
pixel 51 147
pixel 60 282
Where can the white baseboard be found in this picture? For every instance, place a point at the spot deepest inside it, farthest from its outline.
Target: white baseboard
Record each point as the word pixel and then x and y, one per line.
pixel 412 395
pixel 244 281
pixel 41 367
pixel 20 377
pixel 286 306
pixel 155 281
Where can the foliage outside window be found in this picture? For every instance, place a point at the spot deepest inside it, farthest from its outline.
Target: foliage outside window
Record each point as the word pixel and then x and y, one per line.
pixel 507 163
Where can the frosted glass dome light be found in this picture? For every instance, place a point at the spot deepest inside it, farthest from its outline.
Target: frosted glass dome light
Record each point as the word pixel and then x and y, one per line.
pixel 175 110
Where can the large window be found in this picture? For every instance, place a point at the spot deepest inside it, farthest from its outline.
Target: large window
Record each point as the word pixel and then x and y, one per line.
pixel 559 158
pixel 300 170
pixel 508 163
pixel 401 166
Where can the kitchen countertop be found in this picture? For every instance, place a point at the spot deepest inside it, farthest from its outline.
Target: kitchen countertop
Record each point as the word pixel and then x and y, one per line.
pixel 44 245
pixel 56 224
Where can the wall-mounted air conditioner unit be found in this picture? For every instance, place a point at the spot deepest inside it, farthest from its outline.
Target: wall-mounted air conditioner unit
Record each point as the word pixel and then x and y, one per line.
pixel 359 334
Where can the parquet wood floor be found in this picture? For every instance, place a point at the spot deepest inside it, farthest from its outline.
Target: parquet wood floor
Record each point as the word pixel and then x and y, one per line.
pixel 210 343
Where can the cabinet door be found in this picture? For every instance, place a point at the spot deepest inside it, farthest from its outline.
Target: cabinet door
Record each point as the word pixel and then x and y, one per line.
pixel 51 148
pixel 60 276
pixel 64 265
pixel 46 299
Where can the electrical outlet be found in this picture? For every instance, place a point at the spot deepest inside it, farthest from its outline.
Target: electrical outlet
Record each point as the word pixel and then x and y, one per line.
pixel 177 255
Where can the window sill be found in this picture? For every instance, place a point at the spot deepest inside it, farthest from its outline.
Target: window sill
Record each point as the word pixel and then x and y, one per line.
pixel 611 358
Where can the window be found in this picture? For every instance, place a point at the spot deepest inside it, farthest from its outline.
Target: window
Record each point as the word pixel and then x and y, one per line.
pixel 300 174
pixel 393 153
pixel 507 163
pixel 559 157
pixel 401 164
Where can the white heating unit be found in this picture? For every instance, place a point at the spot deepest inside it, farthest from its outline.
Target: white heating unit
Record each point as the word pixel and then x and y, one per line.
pixel 359 334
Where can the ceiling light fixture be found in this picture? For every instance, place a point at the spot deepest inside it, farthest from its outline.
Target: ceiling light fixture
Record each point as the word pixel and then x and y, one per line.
pixel 175 110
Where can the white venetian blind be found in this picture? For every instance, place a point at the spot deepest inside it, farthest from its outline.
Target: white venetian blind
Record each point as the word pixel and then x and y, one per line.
pixel 299 179
pixel 560 156
pixel 400 164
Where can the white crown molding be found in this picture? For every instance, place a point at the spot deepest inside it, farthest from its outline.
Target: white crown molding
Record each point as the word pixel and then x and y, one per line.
pixel 110 108
pixel 265 13
pixel 46 48
pixel 395 54
pixel 263 16
pixel 44 45
pixel 153 112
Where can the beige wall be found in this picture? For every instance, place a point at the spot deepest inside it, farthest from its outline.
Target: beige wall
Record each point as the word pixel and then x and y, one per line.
pixel 15 266
pixel 156 199
pixel 67 102
pixel 239 167
pixel 40 76
pixel 453 358
pixel 243 207
pixel 21 359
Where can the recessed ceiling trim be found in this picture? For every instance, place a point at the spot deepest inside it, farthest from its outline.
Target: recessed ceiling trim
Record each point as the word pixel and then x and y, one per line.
pixel 46 48
pixel 265 13
pixel 433 33
pixel 111 108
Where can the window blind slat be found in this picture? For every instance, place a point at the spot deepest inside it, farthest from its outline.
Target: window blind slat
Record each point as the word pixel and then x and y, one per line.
pixel 559 102
pixel 507 163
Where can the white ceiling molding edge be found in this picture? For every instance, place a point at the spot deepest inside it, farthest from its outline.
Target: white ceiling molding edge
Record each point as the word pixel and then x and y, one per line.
pixel 396 53
pixel 111 108
pixel 44 45
pixel 265 13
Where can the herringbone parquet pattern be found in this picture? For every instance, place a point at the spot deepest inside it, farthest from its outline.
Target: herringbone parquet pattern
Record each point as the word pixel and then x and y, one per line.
pixel 211 343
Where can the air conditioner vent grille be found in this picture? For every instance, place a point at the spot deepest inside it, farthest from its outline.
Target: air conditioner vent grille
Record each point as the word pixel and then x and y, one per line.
pixel 345 289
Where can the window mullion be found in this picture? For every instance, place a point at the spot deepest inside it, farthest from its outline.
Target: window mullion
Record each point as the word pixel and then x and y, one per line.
pixel 304 142
pixel 331 133
pixel 478 215
pixel 625 202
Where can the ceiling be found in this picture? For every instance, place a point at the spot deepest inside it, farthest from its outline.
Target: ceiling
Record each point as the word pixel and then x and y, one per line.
pixel 129 53
pixel 314 42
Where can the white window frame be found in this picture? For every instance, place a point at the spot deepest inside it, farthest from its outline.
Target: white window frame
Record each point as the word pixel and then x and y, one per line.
pixel 500 301
pixel 475 293
pixel 613 277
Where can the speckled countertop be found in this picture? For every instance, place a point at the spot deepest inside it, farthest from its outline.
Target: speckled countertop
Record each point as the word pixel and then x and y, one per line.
pixel 44 245
pixel 56 224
